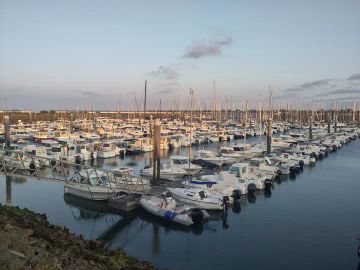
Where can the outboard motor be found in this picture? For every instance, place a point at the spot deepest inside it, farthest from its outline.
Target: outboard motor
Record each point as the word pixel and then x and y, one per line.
pixel 196 215
pixel 292 170
pixel 77 159
pixel 314 155
pixel 267 183
pixel 236 194
pixel 251 188
pixel 301 163
pixel 358 238
pixel 53 162
pixel 226 200
pixel 32 167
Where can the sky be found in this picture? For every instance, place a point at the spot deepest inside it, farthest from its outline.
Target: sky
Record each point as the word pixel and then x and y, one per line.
pixel 70 54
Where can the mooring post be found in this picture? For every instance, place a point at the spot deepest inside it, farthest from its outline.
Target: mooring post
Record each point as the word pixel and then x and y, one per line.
pixel 151 126
pixel 335 122
pixel 269 136
pixel 156 152
pixel 71 123
pixel 310 128
pixel 328 123
pixel 7 131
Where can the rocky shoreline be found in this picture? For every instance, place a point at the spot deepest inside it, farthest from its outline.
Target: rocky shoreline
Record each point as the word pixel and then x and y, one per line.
pixel 29 241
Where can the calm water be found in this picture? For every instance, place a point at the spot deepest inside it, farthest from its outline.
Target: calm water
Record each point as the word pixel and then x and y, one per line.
pixel 309 222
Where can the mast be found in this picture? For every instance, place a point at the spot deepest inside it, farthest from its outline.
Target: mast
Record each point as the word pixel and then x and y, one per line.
pixel 191 92
pixel 145 100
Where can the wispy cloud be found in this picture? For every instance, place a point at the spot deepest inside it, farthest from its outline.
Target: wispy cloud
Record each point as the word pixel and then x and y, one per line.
pixel 315 83
pixel 310 85
pixel 209 48
pixel 89 93
pixel 342 99
pixel 164 92
pixel 340 92
pixel 355 76
pixel 170 72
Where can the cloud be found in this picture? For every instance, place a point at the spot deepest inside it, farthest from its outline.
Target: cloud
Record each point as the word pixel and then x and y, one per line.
pixel 355 76
pixel 310 85
pixel 339 92
pixel 164 92
pixel 295 89
pixel 315 83
pixel 89 93
pixel 343 99
pixel 209 48
pixel 170 72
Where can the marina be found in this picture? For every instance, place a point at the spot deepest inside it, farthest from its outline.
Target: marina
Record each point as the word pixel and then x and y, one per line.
pixel 304 174
pixel 179 135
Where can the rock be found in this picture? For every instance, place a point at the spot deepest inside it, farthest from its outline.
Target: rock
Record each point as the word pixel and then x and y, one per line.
pixel 8 227
pixel 28 232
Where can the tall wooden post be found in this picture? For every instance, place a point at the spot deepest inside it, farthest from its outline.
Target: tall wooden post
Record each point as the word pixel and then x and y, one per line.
pixel 354 110
pixel 151 126
pixel 310 128
pixel 328 123
pixel 269 136
pixel 156 152
pixel 7 131
pixel 71 123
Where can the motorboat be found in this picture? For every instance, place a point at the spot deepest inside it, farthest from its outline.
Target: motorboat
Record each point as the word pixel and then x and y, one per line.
pixel 92 184
pixel 166 172
pixel 208 159
pixel 198 197
pixel 167 208
pixel 182 162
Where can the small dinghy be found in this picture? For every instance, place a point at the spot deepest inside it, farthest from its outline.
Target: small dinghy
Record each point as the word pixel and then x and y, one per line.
pixel 166 207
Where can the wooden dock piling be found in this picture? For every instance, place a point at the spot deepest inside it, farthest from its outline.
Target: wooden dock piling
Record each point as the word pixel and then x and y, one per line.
pixel 7 131
pixel 156 152
pixel 269 136
pixel 310 128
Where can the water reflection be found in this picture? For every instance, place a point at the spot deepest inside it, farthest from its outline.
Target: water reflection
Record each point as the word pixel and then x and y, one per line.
pixel 236 207
pixel 267 193
pixel 8 190
pixel 251 197
pixel 155 240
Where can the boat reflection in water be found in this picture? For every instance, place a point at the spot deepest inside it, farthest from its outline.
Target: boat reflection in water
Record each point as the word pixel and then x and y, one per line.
pixel 122 228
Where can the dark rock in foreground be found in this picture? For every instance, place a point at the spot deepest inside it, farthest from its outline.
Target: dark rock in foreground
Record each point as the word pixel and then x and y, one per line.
pixel 28 241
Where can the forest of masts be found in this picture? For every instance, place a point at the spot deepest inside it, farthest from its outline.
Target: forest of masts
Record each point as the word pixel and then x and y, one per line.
pixel 220 112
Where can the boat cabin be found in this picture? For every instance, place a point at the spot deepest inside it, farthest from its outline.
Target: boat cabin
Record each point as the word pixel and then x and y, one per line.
pixel 239 169
pixel 179 160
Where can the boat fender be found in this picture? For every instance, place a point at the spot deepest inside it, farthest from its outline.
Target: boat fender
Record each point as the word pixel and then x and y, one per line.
pixel 169 215
pixel 267 183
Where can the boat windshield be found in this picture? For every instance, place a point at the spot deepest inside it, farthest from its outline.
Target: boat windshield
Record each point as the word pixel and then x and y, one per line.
pixel 234 170
pixel 180 161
